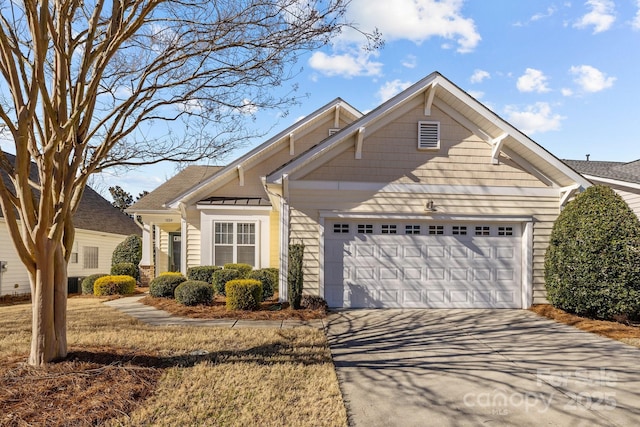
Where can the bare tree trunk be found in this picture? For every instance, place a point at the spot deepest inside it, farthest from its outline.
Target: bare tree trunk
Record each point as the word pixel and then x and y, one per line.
pixel 49 307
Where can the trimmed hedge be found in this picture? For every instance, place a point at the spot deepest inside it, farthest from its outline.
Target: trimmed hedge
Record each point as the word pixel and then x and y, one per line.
pixel 194 292
pixel 124 269
pixel 114 285
pixel 243 294
pixel 164 286
pixel 592 264
pixel 266 278
pixel 87 283
pixel 203 273
pixel 243 269
pixel 221 277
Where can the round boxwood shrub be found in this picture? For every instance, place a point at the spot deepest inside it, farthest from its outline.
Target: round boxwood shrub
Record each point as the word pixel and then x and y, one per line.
pixel 194 292
pixel 266 278
pixel 243 294
pixel 242 268
pixel 124 269
pixel 114 285
pixel 129 250
pixel 221 277
pixel 164 286
pixel 203 273
pixel 87 283
pixel 592 264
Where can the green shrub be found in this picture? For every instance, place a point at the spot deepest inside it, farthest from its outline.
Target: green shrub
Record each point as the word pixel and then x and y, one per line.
pixel 243 269
pixel 87 283
pixel 243 294
pixel 221 277
pixel 203 273
pixel 124 269
pixel 313 302
pixel 164 286
pixel 194 292
pixel 114 285
pixel 295 278
pixel 266 278
pixel 592 264
pixel 129 250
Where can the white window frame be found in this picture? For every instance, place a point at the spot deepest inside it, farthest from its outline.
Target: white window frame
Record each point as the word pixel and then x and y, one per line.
pixel 234 244
pixel 90 258
pixel 426 140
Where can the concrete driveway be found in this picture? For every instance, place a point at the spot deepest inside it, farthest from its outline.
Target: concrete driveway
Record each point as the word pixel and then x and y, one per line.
pixel 480 367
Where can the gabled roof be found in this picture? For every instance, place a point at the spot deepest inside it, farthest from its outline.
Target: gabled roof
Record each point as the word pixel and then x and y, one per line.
pixel 260 151
pixel 94 213
pixel 617 171
pixel 436 90
pixel 157 200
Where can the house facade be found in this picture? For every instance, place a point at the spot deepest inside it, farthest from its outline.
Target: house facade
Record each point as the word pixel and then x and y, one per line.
pixel 430 200
pixel 99 229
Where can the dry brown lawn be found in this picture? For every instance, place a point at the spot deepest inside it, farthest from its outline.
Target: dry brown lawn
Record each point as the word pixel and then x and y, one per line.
pixel 627 333
pixel 123 372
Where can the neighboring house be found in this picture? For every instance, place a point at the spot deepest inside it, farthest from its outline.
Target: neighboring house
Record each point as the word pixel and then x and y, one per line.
pixel 100 227
pixel 430 200
pixel 622 177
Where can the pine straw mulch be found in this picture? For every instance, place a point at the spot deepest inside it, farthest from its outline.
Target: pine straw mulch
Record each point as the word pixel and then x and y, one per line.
pixel 269 310
pixel 89 387
pixel 626 332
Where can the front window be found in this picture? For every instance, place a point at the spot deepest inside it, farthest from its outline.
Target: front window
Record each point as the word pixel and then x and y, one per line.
pixel 234 242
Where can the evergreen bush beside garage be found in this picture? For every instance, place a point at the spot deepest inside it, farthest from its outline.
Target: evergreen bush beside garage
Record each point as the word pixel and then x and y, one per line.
pixel 592 264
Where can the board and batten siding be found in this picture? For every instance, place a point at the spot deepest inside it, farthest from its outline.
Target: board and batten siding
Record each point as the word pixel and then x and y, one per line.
pixel 15 280
pixel 306 207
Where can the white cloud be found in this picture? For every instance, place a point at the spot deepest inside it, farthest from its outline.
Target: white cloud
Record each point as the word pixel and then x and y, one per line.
pixel 601 16
pixel 476 93
pixel 532 81
pixel 538 16
pixel 416 20
pixel 536 118
pixel 590 79
pixel 566 91
pixel 411 61
pixel 389 89
pixel 635 24
pixel 479 75
pixel 345 65
pixel 248 108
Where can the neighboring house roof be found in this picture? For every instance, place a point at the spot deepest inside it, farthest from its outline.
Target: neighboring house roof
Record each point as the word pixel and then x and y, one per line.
pixel 94 213
pixel 183 181
pixel 438 91
pixel 617 171
pixel 258 153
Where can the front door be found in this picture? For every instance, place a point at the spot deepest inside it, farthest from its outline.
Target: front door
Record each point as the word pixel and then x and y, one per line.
pixel 175 251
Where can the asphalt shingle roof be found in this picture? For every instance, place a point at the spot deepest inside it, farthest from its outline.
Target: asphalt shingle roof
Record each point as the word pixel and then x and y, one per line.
pixel 183 181
pixel 620 171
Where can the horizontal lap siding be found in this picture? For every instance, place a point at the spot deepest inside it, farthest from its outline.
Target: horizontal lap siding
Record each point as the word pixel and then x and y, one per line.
pixel 193 239
pixel 305 218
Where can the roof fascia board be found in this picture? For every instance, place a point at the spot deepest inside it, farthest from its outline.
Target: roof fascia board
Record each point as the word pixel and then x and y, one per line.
pixel 283 135
pixel 612 181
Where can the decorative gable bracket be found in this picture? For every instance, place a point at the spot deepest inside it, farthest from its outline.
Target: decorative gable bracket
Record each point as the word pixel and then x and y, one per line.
pixel 241 175
pixel 428 98
pixel 496 144
pixel 359 140
pixel 567 192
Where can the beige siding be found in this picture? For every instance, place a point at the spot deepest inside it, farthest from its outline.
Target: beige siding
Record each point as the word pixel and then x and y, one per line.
pixel 632 199
pixel 193 238
pixel 306 206
pixel 274 239
pixel 162 253
pixel 390 154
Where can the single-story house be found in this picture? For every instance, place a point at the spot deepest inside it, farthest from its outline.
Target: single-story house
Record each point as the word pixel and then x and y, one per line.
pixel 429 200
pixel 622 177
pixel 100 227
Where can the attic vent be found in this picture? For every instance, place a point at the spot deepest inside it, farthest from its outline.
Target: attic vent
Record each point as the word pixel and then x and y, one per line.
pixel 333 131
pixel 428 135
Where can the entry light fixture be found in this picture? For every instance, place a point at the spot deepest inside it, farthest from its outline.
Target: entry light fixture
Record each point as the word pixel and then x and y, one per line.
pixel 429 207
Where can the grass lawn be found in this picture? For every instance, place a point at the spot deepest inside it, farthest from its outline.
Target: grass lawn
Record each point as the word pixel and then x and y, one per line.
pixel 123 372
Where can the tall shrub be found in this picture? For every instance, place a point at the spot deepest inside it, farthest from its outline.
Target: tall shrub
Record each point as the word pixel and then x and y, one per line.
pixel 592 264
pixel 129 250
pixel 295 279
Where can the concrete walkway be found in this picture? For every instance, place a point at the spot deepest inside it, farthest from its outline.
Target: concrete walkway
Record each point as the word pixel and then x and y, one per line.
pixel 480 367
pixel 152 316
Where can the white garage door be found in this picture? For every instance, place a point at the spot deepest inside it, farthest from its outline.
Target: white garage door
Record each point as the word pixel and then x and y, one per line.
pixel 419 264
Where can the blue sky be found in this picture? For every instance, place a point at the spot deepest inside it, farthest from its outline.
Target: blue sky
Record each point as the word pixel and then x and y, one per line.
pixel 565 73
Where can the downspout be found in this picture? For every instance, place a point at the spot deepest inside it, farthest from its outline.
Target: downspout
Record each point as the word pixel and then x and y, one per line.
pixel 283 288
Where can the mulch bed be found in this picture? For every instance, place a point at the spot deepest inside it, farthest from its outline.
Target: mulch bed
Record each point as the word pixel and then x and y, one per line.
pixel 611 329
pixel 269 310
pixel 91 386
